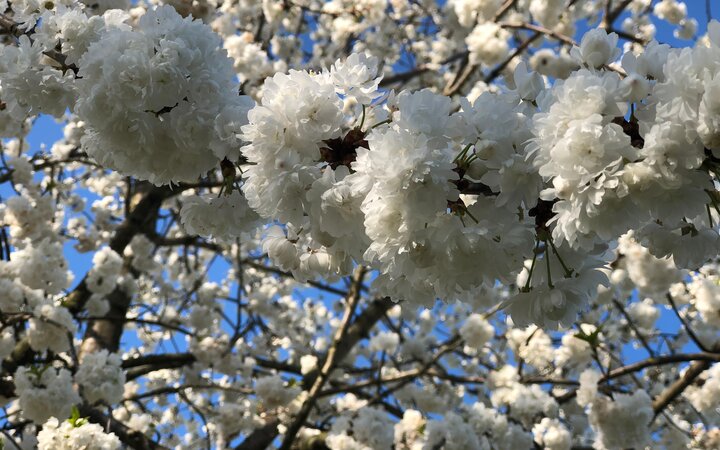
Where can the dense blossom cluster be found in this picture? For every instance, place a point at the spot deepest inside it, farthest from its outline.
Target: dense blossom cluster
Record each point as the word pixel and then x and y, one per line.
pixel 359 225
pixel 154 83
pixel 76 435
pixel 586 172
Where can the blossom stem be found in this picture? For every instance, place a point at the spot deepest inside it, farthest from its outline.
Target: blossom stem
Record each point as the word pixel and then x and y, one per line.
pixel 362 120
pixel 462 154
pixel 526 288
pixel 713 201
pixel 547 265
pixel 568 272
pixel 381 123
pixel 709 213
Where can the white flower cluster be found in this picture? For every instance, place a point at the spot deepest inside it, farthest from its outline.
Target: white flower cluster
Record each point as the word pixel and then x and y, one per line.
pixel 552 434
pixel 705 291
pixel 471 11
pixel 533 345
pixel 385 341
pixel 553 297
pixel 101 377
pixel 16 296
pixel 225 217
pixel 56 435
pixel 476 331
pixel 608 179
pixel 580 152
pixel 51 328
pixel 706 398
pixel 289 135
pixel 581 192
pixel 44 393
pixel 597 48
pixel 31 87
pixel 285 135
pixel 251 62
pixel 103 276
pixel 675 12
pixel 525 402
pixel 151 106
pixel 42 265
pixel 476 426
pixel 12 116
pixel 368 428
pixel 324 177
pixel 74 31
pixel 488 44
pixel 7 343
pixel 573 352
pixel 622 422
pixel 652 276
pixel 274 393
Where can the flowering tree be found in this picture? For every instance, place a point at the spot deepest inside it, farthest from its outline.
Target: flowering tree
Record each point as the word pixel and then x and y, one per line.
pixel 359 225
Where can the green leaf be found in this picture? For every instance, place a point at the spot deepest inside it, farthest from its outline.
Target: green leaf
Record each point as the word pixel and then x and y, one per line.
pixel 75 420
pixel 421 428
pixel 593 338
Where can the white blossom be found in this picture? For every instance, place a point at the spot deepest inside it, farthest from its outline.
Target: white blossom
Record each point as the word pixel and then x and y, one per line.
pixel 57 435
pixel 101 377
pixel 155 115
pixel 44 393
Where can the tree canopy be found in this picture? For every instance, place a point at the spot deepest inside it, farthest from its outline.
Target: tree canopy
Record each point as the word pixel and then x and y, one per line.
pixel 360 225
